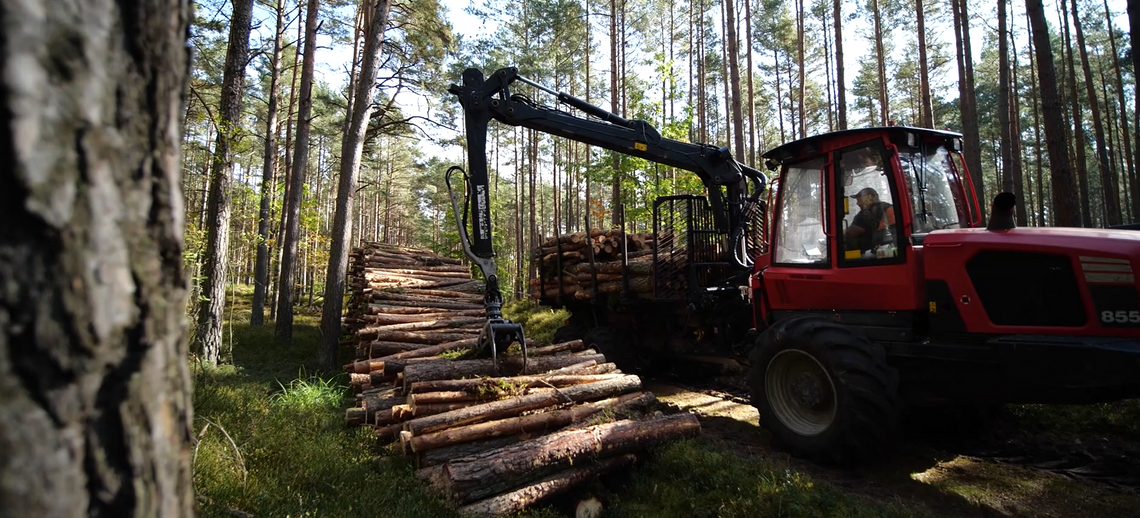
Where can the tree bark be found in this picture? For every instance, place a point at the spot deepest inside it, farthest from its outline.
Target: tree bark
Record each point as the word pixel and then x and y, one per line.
pixel 477 384
pixel 268 174
pixel 448 369
pixel 531 494
pixel 96 412
pixel 208 339
pixel 1061 174
pixel 517 405
pixel 284 327
pixel 529 424
pixel 492 472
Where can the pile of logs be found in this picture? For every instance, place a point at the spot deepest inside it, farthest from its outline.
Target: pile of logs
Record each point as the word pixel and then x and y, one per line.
pixel 494 437
pixel 585 262
pixel 408 290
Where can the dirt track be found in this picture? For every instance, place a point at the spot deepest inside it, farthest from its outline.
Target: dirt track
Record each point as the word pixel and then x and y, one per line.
pixel 1010 473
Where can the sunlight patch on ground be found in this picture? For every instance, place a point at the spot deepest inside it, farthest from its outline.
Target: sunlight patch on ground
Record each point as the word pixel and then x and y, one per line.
pixel 1012 490
pixel 704 404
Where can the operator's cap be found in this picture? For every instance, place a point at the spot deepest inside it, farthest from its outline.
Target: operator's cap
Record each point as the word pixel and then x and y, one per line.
pixel 863 191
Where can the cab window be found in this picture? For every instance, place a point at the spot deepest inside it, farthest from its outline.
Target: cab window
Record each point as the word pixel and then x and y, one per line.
pixel 935 195
pixel 869 222
pixel 800 237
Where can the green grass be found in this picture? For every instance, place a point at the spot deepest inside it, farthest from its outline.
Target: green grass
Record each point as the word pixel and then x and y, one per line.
pixel 291 454
pixel 272 442
pixel 539 322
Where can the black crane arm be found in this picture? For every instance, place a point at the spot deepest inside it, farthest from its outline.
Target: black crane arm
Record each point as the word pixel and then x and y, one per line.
pixel 483 99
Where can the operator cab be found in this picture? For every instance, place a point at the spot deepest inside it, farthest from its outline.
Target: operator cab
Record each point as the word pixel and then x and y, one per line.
pixel 852 208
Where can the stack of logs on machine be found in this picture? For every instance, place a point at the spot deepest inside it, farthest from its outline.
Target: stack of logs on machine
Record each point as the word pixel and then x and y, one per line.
pixel 495 439
pixel 569 256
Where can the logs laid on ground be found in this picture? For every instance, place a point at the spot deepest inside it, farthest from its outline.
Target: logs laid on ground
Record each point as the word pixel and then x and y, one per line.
pixel 494 437
pixel 567 258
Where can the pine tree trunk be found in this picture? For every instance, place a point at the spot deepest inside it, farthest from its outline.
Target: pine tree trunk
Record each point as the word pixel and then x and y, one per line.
pixel 1129 171
pixel 96 413
pixel 1038 166
pixel 1134 34
pixel 927 108
pixel 1078 123
pixel 208 339
pixel 1005 171
pixel 751 90
pixel 881 63
pixel 1063 210
pixel 967 99
pixel 734 70
pixel 841 85
pixel 1108 180
pixel 801 88
pixel 1016 166
pixel 268 174
pixel 352 148
pixel 616 185
pixel 285 294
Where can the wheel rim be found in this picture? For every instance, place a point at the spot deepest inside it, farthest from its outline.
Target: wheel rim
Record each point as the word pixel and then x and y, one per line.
pixel 800 392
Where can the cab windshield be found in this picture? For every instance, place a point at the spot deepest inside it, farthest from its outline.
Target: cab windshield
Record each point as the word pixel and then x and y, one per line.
pixel 934 187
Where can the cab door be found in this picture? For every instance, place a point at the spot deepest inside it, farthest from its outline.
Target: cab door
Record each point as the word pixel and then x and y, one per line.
pixel 837 241
pixel 874 266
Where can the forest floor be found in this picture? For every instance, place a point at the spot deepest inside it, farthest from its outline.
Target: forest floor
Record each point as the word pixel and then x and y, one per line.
pixel 1026 461
pixel 271 441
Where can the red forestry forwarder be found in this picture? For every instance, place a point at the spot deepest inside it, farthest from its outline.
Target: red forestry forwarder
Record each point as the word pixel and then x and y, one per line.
pixel 875 286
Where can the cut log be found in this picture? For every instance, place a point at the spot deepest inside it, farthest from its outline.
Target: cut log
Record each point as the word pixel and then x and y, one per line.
pixel 388 319
pixel 426 271
pixel 378 404
pixel 636 268
pixel 386 309
pixel 411 337
pixel 573 345
pixel 436 350
pixel 509 365
pixel 389 433
pixel 441 455
pixel 390 299
pixel 478 384
pixel 532 423
pixel 355 416
pixel 515 406
pixel 514 501
pixel 440 323
pixel 379 349
pixel 493 472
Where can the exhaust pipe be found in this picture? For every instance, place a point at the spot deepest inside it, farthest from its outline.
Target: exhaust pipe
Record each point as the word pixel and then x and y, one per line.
pixel 1001 212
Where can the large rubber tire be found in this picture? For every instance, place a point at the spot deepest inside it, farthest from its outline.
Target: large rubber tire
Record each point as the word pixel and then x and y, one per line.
pixel 825 392
pixel 616 348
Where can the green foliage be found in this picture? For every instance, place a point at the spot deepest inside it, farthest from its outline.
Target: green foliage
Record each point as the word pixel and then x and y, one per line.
pixel 692 478
pixel 539 322
pixel 275 448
